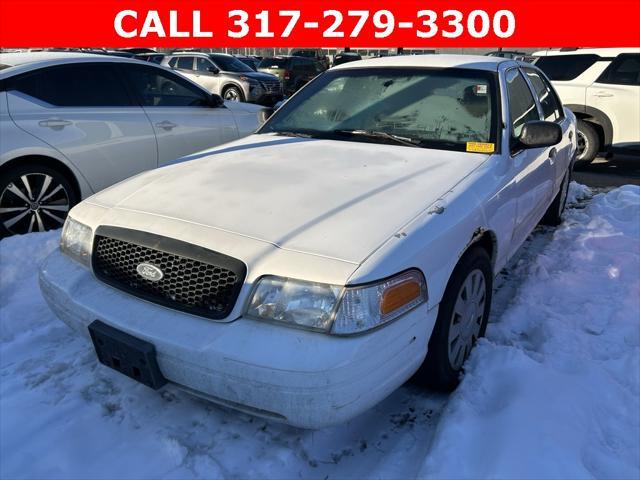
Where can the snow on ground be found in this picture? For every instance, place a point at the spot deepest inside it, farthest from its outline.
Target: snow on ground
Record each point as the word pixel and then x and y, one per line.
pixel 552 392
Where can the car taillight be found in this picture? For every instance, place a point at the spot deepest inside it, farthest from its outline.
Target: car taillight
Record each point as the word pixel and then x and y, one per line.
pixel 287 74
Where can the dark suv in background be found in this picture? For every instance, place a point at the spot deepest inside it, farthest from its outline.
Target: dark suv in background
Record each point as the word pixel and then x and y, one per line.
pixel 317 54
pixel 293 72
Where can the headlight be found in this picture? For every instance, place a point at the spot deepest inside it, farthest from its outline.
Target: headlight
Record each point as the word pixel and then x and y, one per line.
pixel 369 306
pixel 76 241
pixel 298 303
pixel 334 309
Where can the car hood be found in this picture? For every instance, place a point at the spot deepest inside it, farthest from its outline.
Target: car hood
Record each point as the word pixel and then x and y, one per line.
pixel 330 198
pixel 243 107
pixel 255 75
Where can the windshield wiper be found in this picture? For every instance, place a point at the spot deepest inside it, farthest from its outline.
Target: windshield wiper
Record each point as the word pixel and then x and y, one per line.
pixel 407 141
pixel 287 133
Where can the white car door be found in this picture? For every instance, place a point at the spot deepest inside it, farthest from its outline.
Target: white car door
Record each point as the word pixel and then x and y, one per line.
pixel 533 171
pixel 84 111
pixel 617 94
pixel 182 114
pixel 552 111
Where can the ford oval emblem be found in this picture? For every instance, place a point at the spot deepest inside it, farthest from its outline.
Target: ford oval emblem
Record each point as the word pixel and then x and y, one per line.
pixel 149 272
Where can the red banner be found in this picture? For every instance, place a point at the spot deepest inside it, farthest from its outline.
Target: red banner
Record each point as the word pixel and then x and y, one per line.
pixel 327 23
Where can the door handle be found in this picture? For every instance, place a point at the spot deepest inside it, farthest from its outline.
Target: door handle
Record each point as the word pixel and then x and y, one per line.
pixel 167 125
pixel 602 93
pixel 55 123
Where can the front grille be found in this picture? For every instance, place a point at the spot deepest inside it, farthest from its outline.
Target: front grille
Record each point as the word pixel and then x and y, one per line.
pixel 194 279
pixel 272 86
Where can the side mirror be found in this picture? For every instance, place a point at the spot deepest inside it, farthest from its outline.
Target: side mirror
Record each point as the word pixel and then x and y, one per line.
pixel 538 133
pixel 214 70
pixel 216 101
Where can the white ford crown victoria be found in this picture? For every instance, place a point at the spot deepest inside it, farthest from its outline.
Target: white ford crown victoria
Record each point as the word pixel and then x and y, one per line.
pixel 305 272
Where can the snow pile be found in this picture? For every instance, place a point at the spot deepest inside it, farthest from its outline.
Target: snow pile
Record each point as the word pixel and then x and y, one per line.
pixel 554 389
pixel 19 292
pixel 553 392
pixel 577 193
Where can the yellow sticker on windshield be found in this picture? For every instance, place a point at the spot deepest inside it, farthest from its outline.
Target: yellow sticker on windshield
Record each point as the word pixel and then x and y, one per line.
pixel 480 147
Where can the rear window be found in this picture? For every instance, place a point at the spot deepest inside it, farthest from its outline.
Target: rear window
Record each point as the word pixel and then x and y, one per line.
pixel 185 63
pixel 76 85
pixel 565 67
pixel 304 53
pixel 274 63
pixel 625 70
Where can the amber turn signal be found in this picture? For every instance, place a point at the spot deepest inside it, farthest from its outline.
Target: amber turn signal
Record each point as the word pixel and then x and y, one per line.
pixel 399 295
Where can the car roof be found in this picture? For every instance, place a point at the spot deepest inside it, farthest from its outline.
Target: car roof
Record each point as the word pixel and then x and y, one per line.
pixel 475 62
pixel 202 54
pixel 603 52
pixel 25 61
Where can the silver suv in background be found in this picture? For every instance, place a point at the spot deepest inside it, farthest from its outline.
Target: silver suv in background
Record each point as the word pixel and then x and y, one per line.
pixel 227 76
pixel 72 124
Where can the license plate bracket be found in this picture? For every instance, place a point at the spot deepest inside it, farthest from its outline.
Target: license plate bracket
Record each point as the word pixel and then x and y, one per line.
pixel 126 354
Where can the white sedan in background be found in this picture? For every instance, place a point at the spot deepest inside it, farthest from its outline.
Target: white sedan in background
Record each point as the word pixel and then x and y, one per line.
pixel 72 124
pixel 303 273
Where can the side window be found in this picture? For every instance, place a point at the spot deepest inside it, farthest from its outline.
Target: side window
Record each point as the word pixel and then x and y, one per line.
pixel 550 105
pixel 203 64
pixel 565 67
pixel 173 62
pixel 522 107
pixel 159 88
pixel 76 85
pixel 185 63
pixel 624 70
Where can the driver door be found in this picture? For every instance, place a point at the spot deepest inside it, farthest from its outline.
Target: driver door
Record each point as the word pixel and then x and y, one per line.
pixel 180 112
pixel 533 169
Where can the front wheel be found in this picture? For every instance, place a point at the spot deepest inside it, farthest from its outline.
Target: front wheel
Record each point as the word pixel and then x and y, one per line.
pixel 462 319
pixel 233 94
pixel 588 143
pixel 33 198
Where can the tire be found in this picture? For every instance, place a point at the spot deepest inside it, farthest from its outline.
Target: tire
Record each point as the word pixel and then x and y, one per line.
pixel 588 143
pixel 233 94
pixel 441 370
pixel 34 198
pixel 553 215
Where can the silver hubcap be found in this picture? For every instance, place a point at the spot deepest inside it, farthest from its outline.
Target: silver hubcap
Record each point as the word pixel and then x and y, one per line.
pixel 33 203
pixel 467 317
pixel 582 144
pixel 231 95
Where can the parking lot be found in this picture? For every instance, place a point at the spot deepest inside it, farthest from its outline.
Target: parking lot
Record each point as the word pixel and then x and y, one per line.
pixel 366 281
pixel 610 172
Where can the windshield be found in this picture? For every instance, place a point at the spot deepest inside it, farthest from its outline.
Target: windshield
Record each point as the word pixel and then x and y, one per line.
pixel 431 108
pixel 230 64
pixel 304 53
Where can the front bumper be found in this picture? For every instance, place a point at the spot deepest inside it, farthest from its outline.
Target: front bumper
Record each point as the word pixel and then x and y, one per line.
pixel 302 378
pixel 264 96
